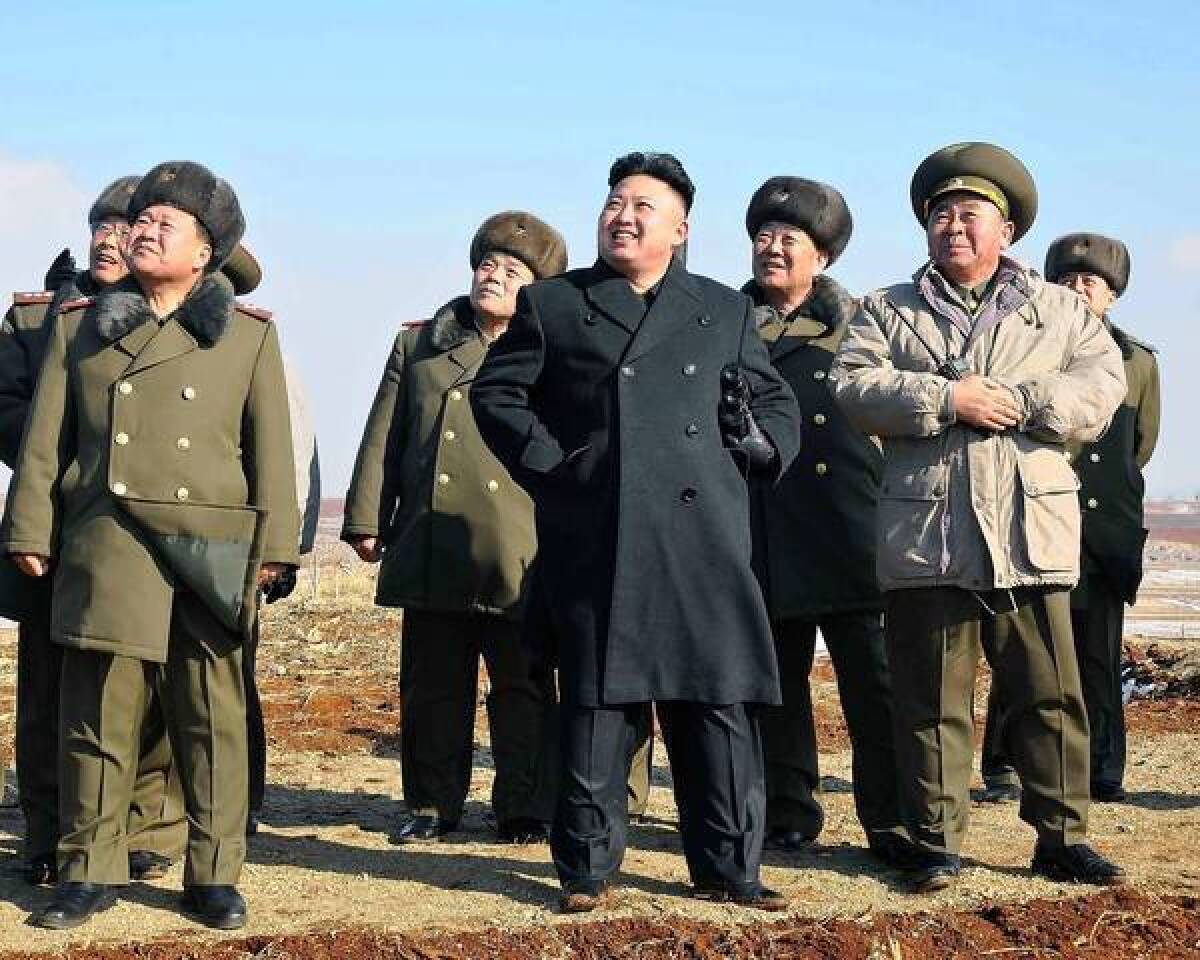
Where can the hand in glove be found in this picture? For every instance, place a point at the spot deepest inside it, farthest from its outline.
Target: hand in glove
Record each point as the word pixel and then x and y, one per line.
pixel 61 271
pixel 739 431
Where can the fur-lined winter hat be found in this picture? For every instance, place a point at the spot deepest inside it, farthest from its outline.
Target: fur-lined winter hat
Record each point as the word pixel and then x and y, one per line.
pixel 984 169
pixel 522 235
pixel 243 271
pixel 1089 253
pixel 113 201
pixel 816 208
pixel 194 189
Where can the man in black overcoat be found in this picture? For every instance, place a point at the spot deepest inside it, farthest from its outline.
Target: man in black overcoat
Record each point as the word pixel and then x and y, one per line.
pixel 605 400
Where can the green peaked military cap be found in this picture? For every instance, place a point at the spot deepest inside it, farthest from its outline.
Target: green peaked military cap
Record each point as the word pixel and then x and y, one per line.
pixel 243 271
pixel 1089 253
pixel 980 168
pixel 522 235
pixel 816 208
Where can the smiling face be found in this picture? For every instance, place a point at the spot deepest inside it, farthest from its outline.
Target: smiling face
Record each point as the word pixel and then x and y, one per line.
pixel 106 251
pixel 167 245
pixel 966 235
pixel 785 261
pixel 495 283
pixel 640 226
pixel 1092 287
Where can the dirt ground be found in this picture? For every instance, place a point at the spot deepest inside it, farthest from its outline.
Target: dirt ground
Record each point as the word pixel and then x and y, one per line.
pixel 323 881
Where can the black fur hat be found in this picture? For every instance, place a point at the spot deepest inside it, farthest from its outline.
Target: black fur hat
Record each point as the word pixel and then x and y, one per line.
pixel 816 208
pixel 1089 253
pixel 113 200
pixel 662 166
pixel 243 271
pixel 536 244
pixel 196 190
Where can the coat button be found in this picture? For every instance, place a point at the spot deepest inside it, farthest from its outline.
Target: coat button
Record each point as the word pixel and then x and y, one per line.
pixel 189 393
pixel 183 443
pixel 1093 503
pixel 627 371
pixel 443 478
pixel 182 493
pixel 119 489
pixel 819 419
pixel 121 439
pixel 449 434
pixel 1095 458
pixel 704 320
pixel 821 469
pixel 125 388
pixel 691 430
pixel 492 486
pixel 455 394
pixel 687 495
pixel 689 369
pixel 819 375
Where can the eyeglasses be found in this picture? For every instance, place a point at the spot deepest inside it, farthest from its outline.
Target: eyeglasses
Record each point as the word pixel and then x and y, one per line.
pixel 108 228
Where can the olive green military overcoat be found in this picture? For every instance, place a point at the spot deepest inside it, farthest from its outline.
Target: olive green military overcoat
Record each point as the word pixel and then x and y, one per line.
pixel 457 531
pixel 157 456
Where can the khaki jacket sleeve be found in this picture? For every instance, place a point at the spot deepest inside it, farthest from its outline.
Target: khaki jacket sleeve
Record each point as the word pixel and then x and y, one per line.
pixel 1148 413
pixel 876 396
pixel 267 453
pixel 32 512
pixel 1077 401
pixel 371 499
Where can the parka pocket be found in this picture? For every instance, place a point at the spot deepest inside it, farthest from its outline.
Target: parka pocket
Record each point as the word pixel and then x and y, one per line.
pixel 1050 508
pixel 911 541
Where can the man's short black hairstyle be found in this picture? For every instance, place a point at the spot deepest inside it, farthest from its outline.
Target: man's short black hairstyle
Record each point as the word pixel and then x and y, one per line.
pixel 660 166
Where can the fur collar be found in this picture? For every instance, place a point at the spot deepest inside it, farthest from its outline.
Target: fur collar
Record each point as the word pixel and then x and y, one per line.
pixel 205 314
pixel 453 325
pixel 829 303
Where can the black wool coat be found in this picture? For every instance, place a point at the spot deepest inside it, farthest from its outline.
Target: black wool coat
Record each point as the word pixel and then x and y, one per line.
pixel 607 414
pixel 815 528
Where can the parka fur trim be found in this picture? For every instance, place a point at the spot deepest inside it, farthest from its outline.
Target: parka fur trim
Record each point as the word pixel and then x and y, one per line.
pixel 453 325
pixel 828 302
pixel 205 314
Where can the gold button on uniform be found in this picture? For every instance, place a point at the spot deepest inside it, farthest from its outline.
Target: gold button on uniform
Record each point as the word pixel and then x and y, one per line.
pixel 189 393
pixel 492 486
pixel 449 434
pixel 183 443
pixel 455 394
pixel 119 489
pixel 819 419
pixel 181 493
pixel 1093 503
pixel 121 439
pixel 125 387
pixel 689 370
pixel 443 478
pixel 821 469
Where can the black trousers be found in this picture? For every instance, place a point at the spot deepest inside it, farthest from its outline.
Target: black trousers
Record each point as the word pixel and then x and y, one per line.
pixel 715 754
pixel 856 646
pixel 256 731
pixel 1097 628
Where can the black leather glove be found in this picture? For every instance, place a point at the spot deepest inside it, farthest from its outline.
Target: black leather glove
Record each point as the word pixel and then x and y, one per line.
pixel 740 433
pixel 61 271
pixel 281 587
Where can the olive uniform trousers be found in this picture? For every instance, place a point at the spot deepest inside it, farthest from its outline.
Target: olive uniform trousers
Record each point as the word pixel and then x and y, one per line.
pixel 934 636
pixel 202 696
pixel 439 682
pixel 856 646
pixel 156 818
pixel 641 763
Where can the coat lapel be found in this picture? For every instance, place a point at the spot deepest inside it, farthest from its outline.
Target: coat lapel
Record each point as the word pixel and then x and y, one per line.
pixel 170 342
pixel 135 341
pixel 799 333
pixel 678 302
pixel 610 294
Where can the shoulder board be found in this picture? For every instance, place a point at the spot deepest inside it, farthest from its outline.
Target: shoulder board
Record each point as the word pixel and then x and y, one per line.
pixel 78 303
pixel 260 313
pixel 413 324
pixel 32 299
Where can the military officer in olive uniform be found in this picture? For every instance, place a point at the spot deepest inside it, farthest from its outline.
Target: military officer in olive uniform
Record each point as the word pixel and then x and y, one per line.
pixel 975 375
pixel 156 828
pixel 455 535
pixel 155 480
pixel 815 529
pixel 630 398
pixel 1111 496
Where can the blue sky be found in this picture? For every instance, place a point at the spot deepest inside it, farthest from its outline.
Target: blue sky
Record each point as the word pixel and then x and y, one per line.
pixel 368 141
